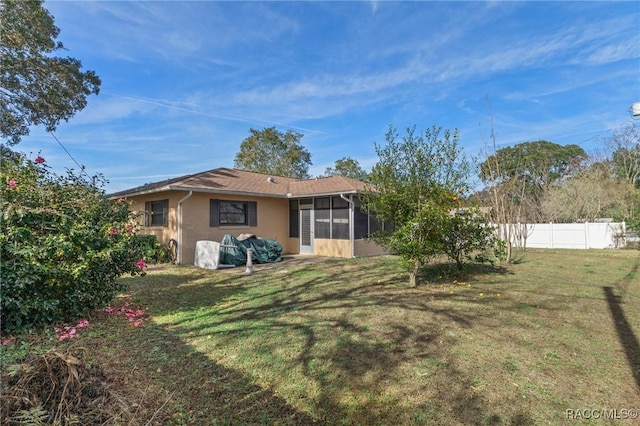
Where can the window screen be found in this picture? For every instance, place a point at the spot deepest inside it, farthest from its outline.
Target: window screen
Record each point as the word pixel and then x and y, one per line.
pixel 229 213
pixel 156 213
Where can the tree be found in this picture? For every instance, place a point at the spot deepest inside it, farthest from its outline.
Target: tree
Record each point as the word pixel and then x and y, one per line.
pixel 622 155
pixel 523 173
pixel 501 194
pixel 273 152
pixel 624 145
pixel 347 166
pixel 591 194
pixel 36 87
pixel 418 184
pixel 539 163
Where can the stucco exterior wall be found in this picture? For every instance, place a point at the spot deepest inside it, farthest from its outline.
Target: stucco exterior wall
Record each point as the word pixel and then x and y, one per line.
pixel 332 248
pixel 272 220
pixel 292 245
pixel 163 233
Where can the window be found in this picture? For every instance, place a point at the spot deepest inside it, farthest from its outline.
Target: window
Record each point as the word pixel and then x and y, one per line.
pixel 361 222
pixel 233 213
pixel 366 224
pixel 339 203
pixel 323 223
pixel 340 224
pixel 339 218
pixel 331 218
pixel 294 219
pixel 156 213
pixel 322 203
pixel 322 216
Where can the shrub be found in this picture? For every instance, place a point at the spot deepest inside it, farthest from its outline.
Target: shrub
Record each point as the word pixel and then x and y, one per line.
pixel 152 250
pixel 468 237
pixel 63 245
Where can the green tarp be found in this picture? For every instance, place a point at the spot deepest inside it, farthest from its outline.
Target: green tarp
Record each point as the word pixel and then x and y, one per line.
pixel 233 251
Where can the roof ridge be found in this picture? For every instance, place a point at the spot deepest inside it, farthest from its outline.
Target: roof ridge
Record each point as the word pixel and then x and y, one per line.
pixel 260 173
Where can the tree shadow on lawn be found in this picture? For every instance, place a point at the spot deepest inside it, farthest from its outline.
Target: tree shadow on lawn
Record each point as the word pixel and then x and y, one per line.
pixel 206 289
pixel 628 339
pixel 200 390
pixel 189 288
pixel 361 368
pixel 444 272
pixel 350 363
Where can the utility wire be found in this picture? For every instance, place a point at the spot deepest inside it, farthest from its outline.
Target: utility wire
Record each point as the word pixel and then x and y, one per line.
pixel 69 154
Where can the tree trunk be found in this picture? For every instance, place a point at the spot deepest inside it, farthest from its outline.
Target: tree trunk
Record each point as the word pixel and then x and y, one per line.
pixel 459 263
pixel 412 279
pixel 413 275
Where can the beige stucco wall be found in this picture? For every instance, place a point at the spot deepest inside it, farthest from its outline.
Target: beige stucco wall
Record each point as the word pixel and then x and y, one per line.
pixel 273 220
pixel 332 248
pixel 342 248
pixel 164 234
pixel 292 245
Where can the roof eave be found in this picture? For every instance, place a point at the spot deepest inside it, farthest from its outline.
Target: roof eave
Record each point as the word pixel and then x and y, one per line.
pixel 231 192
pixel 196 189
pixel 227 192
pixel 324 194
pixel 125 194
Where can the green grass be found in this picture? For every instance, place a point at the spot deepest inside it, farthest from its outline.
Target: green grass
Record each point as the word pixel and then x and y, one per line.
pixel 346 342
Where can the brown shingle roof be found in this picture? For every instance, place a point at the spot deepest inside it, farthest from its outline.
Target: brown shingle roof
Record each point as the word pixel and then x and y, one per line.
pixel 232 181
pixel 325 185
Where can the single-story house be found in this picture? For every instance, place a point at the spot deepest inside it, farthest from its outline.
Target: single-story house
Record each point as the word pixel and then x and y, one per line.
pixel 319 216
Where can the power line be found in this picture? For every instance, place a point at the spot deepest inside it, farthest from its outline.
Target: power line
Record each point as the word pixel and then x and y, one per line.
pixel 69 154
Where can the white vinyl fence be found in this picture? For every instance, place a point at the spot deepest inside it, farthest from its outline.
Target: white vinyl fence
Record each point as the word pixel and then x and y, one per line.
pixel 569 235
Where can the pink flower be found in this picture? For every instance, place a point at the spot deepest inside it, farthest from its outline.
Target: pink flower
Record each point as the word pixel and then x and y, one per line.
pixel 12 183
pixel 40 160
pixel 141 264
pixel 130 229
pixel 134 316
pixel 66 333
pixel 69 332
pixel 113 231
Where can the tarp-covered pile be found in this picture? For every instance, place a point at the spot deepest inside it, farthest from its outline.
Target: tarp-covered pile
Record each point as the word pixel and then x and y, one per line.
pixel 233 251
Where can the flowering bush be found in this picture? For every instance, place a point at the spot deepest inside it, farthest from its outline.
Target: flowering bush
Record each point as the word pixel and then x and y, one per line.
pixel 64 245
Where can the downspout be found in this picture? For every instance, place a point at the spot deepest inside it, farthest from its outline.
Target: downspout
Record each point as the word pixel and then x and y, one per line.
pixel 351 224
pixel 179 250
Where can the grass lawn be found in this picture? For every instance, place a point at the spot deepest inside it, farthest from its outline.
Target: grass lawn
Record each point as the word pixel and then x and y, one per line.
pixel 346 342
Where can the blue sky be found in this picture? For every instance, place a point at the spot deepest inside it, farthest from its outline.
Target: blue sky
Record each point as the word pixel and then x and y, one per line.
pixel 183 82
